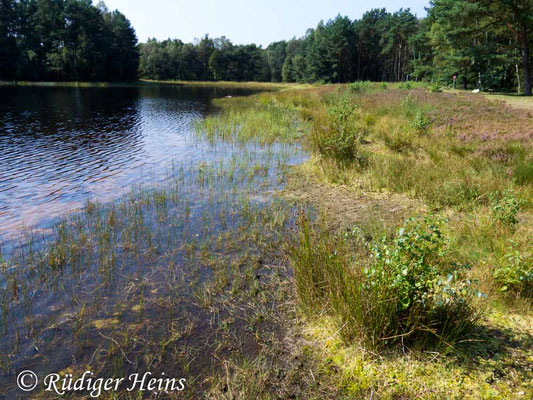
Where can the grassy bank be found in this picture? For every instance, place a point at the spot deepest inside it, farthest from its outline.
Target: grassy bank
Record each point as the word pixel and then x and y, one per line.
pixel 514 100
pixel 390 302
pixel 251 85
pixel 147 82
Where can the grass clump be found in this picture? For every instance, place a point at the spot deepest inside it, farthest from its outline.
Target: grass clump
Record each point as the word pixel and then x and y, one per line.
pixel 264 124
pixel 399 139
pixel 523 173
pixel 397 291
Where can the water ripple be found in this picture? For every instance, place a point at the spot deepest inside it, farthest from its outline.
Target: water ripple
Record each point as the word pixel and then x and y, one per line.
pixel 62 146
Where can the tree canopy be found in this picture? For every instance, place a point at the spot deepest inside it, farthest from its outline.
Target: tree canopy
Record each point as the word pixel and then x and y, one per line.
pixel 65 40
pixel 484 43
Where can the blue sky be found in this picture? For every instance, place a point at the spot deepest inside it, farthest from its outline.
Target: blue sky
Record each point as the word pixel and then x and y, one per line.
pixel 243 21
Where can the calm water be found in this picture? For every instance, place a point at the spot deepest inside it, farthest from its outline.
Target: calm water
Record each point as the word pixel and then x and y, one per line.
pixel 196 216
pixel 62 146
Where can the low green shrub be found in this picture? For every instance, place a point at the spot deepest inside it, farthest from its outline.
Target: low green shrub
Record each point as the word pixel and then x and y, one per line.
pixel 400 290
pixel 435 88
pixel 421 123
pixel 337 132
pixel 405 85
pixel 428 295
pixel 505 206
pixel 514 273
pixel 359 86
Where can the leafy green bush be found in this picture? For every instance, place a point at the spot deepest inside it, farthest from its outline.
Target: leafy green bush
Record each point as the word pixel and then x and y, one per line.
pixel 421 122
pixel 337 132
pixel 514 274
pixel 359 86
pixel 405 290
pixel 505 206
pixel 405 85
pixel 435 88
pixel 414 269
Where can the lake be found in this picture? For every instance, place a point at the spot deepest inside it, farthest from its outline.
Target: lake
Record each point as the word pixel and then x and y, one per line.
pixel 60 146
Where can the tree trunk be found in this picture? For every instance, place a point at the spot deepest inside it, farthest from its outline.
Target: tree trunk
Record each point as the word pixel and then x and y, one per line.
pixel 518 79
pixel 358 64
pixel 525 60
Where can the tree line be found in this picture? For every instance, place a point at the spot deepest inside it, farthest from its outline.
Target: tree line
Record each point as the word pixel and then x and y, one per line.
pixel 65 40
pixel 484 43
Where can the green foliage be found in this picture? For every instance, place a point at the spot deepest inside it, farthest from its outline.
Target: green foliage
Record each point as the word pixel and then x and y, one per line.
pixel 408 291
pixel 412 264
pixel 473 40
pixel 337 132
pixel 505 206
pixel 210 59
pixel 421 122
pixel 476 40
pixel 67 41
pixel 405 85
pixel 276 54
pixel 435 88
pixel 514 273
pixel 376 48
pixel 358 87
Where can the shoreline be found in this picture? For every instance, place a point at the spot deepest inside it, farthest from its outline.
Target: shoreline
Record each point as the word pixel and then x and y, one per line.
pixel 147 83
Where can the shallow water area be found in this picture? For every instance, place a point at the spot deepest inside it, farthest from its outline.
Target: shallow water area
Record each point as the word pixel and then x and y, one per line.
pixel 60 146
pixel 164 228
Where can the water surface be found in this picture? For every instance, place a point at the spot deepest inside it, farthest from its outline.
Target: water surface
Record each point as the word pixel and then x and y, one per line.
pixel 60 146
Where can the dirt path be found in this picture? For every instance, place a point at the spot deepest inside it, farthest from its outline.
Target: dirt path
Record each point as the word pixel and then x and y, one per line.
pixel 346 207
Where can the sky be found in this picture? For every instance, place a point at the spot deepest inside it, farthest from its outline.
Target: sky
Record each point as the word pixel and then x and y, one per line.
pixel 243 21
